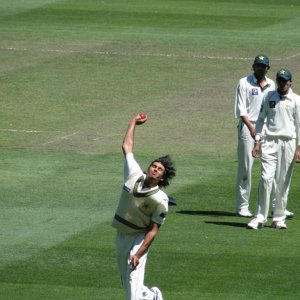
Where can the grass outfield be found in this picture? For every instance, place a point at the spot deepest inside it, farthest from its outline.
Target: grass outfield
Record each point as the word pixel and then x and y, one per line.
pixel 72 75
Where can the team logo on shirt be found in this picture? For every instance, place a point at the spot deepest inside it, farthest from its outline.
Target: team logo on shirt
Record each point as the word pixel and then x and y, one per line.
pixel 272 104
pixel 254 91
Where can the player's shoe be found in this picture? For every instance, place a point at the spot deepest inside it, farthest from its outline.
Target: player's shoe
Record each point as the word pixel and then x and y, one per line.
pixel 289 214
pixel 244 214
pixel 255 224
pixel 157 293
pixel 279 225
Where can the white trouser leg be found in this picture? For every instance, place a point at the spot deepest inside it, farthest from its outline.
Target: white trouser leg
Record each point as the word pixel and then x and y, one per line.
pixel 269 151
pixel 245 163
pixel 284 172
pixel 132 280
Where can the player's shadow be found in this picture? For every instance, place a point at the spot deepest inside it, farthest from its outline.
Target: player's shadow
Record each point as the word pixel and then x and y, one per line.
pixel 233 224
pixel 212 213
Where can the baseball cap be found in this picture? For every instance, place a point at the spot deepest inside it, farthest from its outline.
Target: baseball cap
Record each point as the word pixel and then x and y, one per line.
pixel 262 59
pixel 284 74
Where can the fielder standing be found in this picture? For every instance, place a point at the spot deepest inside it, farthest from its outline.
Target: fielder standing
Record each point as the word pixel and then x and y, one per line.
pixel 278 151
pixel 249 94
pixel 141 211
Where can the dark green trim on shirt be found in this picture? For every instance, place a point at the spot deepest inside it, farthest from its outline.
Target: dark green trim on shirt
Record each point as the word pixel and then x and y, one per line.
pixel 145 194
pixel 129 224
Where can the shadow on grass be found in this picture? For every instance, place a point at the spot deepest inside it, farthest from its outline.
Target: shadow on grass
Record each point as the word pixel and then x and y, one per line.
pixel 214 214
pixel 234 224
pixel 206 213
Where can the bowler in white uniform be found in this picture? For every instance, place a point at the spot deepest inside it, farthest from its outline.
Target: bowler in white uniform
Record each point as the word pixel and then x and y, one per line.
pixel 141 211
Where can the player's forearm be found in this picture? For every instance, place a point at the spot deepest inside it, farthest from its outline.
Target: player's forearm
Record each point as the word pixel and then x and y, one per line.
pixel 144 247
pixel 149 238
pixel 128 140
pixel 250 126
pixel 297 154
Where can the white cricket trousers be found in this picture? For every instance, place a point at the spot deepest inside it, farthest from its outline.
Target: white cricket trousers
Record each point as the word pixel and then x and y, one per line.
pixel 277 161
pixel 132 280
pixel 245 163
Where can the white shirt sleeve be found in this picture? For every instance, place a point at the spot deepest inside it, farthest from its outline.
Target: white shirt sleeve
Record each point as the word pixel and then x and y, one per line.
pixel 131 167
pixel 160 213
pixel 261 118
pixel 240 100
pixel 297 119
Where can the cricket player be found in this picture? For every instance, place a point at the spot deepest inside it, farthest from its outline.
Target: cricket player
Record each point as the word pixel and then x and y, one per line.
pixel 141 211
pixel 249 95
pixel 278 151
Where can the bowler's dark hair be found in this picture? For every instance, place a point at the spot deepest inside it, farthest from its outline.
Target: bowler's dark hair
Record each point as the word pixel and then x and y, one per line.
pixel 170 170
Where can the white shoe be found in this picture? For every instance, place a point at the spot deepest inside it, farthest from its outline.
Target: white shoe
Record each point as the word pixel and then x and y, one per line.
pixel 157 293
pixel 255 224
pixel 244 214
pixel 279 225
pixel 288 214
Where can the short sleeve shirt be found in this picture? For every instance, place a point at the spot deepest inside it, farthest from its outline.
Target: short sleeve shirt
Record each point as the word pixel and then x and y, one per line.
pixel 138 205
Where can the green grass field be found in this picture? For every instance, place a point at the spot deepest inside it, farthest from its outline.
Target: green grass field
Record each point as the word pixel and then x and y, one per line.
pixel 72 74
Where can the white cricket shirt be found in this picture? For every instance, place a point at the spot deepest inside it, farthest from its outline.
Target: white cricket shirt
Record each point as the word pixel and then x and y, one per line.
pixel 138 205
pixel 282 114
pixel 249 96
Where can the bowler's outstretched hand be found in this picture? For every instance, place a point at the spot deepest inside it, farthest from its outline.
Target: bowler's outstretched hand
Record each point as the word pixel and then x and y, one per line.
pixel 141 118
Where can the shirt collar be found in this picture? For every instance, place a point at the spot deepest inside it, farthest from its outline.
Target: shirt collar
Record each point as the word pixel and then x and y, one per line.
pixel 288 96
pixel 254 80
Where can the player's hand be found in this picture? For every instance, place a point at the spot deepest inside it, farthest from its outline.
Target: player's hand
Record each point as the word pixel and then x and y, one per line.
pixel 141 118
pixel 134 262
pixel 297 155
pixel 255 151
